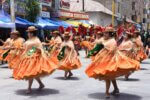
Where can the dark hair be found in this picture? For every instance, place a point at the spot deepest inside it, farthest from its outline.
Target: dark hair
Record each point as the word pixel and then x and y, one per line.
pixel 111 34
pixel 129 36
pixel 137 34
pixel 34 33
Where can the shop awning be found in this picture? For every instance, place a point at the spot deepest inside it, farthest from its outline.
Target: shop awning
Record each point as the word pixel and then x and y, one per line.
pixel 20 22
pixel 45 24
pixel 76 23
pixel 61 23
pixel 86 22
pixel 6 25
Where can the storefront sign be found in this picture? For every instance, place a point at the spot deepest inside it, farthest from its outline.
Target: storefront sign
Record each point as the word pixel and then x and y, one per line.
pixel 45 14
pixel 80 16
pixel 45 8
pixel 64 4
pixel 73 15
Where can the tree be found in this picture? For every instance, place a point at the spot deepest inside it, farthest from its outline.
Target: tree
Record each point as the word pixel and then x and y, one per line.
pixel 32 8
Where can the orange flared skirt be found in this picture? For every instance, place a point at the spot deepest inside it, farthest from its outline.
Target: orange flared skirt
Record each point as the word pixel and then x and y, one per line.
pixel 109 65
pixel 87 45
pixel 32 67
pixel 141 55
pixel 70 61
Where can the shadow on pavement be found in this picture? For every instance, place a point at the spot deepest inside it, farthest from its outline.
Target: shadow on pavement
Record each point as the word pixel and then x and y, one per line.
pixel 122 96
pixel 71 78
pixel 36 93
pixel 145 62
pixel 129 80
pixel 144 69
pixel 4 67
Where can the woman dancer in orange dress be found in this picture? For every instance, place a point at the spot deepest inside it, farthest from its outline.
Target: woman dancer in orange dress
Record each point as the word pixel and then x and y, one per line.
pixel 68 57
pixel 97 45
pixel 110 63
pixel 7 43
pixel 127 48
pixel 54 44
pixel 138 45
pixel 33 63
pixel 14 53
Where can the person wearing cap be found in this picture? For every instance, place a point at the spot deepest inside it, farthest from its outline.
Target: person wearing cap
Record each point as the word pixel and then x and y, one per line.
pixel 56 39
pixel 138 45
pixel 127 48
pixel 34 63
pixel 54 44
pixel 109 63
pixel 68 57
pixel 14 49
pixel 99 37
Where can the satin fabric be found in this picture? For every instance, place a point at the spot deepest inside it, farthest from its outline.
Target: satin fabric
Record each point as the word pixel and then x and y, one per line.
pixel 110 63
pixel 70 60
pixel 36 65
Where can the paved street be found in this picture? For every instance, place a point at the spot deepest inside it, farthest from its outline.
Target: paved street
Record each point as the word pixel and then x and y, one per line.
pixel 80 87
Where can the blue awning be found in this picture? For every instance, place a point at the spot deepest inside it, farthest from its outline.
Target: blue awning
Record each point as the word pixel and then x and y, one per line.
pixel 59 22
pixel 5 22
pixel 20 22
pixel 45 24
pixel 6 25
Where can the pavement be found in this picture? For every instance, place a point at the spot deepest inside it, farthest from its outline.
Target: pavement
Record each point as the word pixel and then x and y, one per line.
pixel 79 87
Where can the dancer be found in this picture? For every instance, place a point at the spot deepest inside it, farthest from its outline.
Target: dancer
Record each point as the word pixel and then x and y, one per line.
pixel 110 63
pixel 7 43
pixel 87 45
pixel 98 45
pixel 127 48
pixel 33 62
pixel 68 58
pixel 54 45
pixel 138 45
pixel 14 49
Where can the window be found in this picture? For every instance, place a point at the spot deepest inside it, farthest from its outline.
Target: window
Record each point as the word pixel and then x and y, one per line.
pixel 145 11
pixel 133 5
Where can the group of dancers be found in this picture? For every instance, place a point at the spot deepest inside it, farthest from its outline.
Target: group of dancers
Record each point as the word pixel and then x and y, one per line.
pixel 33 59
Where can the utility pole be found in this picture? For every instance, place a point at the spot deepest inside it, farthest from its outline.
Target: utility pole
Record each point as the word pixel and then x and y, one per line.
pixel 83 5
pixel 113 10
pixel 12 10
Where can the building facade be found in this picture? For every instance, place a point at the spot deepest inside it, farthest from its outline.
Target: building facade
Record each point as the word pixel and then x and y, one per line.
pixel 132 9
pixel 98 13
